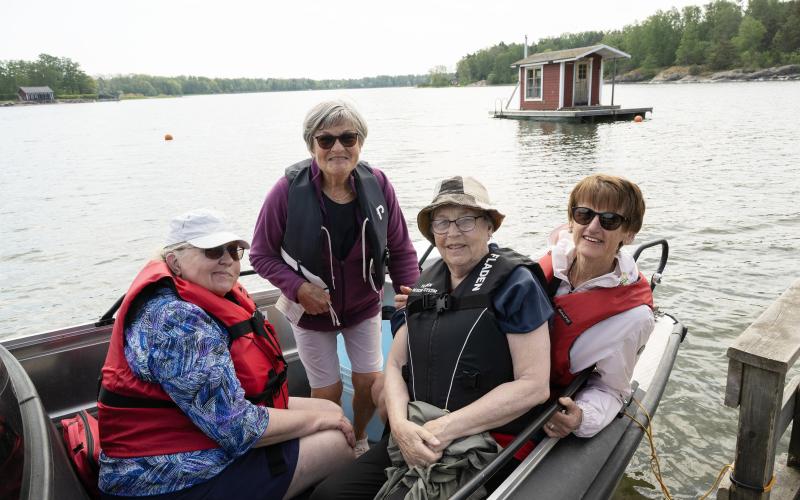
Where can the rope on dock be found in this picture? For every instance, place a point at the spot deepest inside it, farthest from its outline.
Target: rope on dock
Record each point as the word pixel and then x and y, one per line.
pixel 716 481
pixel 655 465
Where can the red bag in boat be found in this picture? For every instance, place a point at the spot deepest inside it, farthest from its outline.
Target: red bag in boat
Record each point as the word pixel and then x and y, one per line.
pixel 82 438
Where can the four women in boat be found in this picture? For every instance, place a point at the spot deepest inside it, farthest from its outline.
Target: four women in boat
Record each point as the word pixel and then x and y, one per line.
pixel 191 369
pixel 193 365
pixel 323 237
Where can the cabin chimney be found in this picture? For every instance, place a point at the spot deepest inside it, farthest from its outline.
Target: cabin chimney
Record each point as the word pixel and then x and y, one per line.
pixel 525 48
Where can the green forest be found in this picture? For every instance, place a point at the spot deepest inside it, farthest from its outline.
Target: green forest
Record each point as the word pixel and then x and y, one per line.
pixel 61 74
pixel 67 80
pixel 717 36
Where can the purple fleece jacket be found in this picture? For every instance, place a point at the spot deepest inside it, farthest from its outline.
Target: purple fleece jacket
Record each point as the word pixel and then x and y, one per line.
pixel 353 299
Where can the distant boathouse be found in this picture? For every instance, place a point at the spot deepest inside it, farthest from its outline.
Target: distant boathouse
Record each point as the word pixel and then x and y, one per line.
pixel 566 85
pixel 36 94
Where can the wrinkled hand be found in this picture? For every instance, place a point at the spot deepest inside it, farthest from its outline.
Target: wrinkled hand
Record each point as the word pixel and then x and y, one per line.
pixel 334 420
pixel 437 428
pixel 314 299
pixel 416 443
pixel 565 422
pixel 401 299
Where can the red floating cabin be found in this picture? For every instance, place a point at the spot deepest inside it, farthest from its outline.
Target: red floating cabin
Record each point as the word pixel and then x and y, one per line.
pixel 566 85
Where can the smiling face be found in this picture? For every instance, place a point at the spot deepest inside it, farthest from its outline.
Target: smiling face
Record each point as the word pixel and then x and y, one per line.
pixel 339 161
pixel 592 242
pixel 462 251
pixel 217 275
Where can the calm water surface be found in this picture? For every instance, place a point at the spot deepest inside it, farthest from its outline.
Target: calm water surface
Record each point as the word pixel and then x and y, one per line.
pixel 86 191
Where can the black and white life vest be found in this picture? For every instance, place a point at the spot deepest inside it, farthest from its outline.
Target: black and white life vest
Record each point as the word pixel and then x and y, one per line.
pixel 303 238
pixel 456 350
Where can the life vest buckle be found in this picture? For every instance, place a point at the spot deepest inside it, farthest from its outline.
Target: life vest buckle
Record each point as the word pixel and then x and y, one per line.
pixel 257 322
pixel 442 303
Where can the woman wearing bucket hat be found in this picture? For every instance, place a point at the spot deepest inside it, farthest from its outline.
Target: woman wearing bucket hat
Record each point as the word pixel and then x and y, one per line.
pixel 194 401
pixel 327 233
pixel 474 344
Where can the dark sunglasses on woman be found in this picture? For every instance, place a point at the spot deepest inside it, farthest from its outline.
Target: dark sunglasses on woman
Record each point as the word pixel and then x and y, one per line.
pixel 235 251
pixel 608 220
pixel 326 141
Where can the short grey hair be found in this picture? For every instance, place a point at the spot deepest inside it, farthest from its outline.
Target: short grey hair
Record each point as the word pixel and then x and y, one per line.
pixel 178 247
pixel 330 114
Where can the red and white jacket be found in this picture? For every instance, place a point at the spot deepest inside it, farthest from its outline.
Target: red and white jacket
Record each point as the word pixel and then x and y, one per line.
pixel 612 341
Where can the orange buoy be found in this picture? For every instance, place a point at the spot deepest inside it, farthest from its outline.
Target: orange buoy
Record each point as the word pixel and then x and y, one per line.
pixel 637 119
pixel 168 137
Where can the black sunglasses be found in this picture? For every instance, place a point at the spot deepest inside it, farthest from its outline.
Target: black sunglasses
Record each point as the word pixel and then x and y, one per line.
pixel 608 220
pixel 235 251
pixel 326 141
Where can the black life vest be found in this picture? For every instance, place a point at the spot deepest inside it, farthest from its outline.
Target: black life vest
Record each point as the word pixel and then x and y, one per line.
pixel 456 350
pixel 302 240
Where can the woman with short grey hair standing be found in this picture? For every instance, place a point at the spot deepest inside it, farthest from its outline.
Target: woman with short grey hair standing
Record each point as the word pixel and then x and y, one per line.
pixel 323 237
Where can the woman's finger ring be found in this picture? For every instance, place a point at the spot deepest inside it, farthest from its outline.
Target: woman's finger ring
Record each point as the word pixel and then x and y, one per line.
pixel 551 426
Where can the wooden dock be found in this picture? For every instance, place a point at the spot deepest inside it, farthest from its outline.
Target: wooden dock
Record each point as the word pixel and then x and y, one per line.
pixel 582 114
pixel 758 363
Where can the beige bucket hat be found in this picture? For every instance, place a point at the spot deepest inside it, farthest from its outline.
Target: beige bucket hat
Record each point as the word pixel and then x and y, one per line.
pixel 461 191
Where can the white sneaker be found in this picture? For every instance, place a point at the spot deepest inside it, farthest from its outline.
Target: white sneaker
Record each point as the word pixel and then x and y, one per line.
pixel 362 445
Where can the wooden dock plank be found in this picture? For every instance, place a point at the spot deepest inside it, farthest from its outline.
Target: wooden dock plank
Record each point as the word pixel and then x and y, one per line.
pixel 772 342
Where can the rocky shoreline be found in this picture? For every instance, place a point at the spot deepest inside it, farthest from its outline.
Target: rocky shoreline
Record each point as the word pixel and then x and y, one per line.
pixel 683 74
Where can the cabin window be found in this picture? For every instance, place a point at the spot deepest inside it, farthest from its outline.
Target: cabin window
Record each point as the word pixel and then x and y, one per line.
pixel 582 71
pixel 533 83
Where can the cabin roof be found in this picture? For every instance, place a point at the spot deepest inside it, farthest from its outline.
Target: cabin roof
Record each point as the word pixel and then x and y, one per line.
pixel 554 56
pixel 34 90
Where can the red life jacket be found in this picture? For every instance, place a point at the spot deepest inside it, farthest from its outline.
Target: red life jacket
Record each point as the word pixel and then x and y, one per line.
pixel 577 312
pixel 138 418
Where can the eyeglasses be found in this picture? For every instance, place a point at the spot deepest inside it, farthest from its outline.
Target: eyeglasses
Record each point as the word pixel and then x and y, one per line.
pixel 608 220
pixel 464 224
pixel 235 251
pixel 326 141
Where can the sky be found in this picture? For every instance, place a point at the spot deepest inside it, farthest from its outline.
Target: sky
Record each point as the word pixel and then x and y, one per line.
pixel 292 39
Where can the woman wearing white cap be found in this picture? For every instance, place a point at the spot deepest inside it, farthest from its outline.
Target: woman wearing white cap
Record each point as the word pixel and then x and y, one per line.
pixel 474 344
pixel 194 401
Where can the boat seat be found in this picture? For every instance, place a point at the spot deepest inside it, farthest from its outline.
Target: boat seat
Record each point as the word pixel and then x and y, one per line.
pixel 47 473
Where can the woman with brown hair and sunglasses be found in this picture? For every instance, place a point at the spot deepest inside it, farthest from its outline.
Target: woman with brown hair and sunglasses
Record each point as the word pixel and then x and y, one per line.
pixel 194 401
pixel 604 306
pixel 324 237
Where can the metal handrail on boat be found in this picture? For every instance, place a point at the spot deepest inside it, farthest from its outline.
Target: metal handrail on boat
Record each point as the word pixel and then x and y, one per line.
pixel 508 453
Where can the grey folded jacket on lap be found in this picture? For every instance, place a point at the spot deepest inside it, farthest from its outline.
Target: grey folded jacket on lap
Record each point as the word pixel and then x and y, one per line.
pixel 459 463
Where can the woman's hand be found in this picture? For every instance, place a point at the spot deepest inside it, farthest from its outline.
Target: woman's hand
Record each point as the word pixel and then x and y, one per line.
pixel 416 444
pixel 562 424
pixel 401 299
pixel 314 299
pixel 438 427
pixel 334 420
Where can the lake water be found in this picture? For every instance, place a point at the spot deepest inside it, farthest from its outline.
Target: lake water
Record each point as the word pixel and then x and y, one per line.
pixel 86 191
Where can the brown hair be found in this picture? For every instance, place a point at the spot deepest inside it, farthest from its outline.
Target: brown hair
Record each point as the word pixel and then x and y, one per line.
pixel 609 192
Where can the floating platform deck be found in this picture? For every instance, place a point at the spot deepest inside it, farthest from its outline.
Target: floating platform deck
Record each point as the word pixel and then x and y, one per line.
pixel 582 114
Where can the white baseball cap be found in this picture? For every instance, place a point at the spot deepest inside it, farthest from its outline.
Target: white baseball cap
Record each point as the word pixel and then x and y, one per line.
pixel 202 228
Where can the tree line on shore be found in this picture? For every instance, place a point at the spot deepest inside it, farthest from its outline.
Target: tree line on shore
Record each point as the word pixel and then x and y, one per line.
pixel 61 74
pixel 720 35
pixel 67 80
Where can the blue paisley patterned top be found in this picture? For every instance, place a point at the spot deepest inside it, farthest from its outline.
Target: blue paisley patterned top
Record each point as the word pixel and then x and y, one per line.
pixel 178 345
